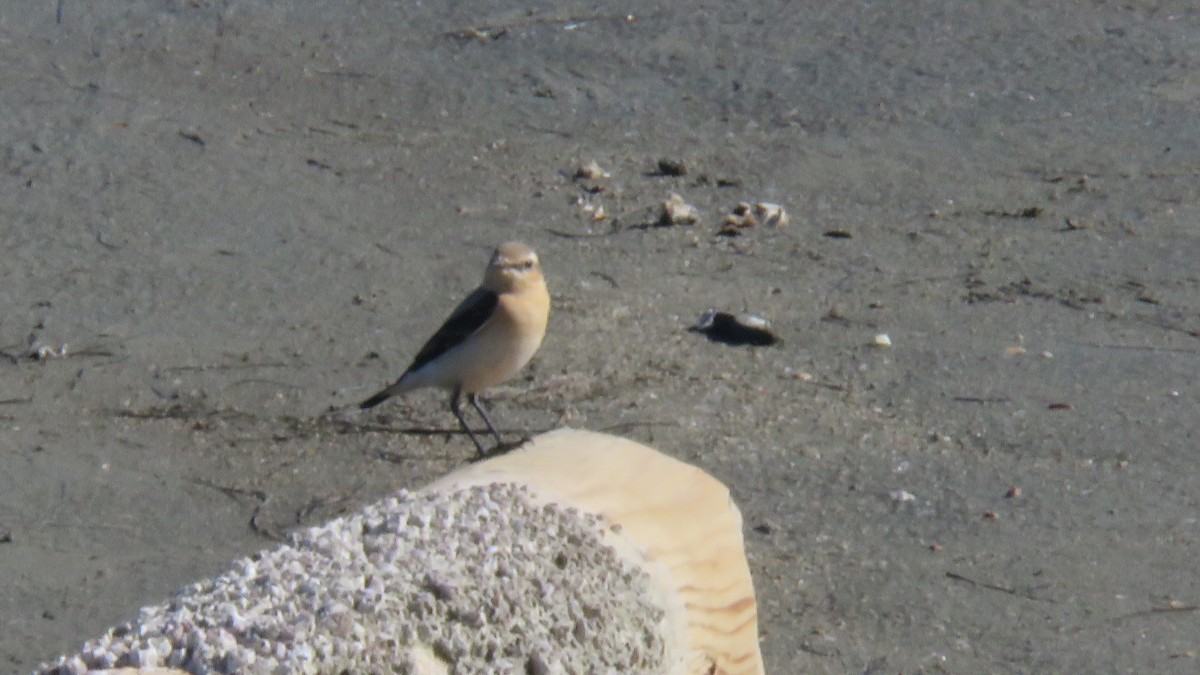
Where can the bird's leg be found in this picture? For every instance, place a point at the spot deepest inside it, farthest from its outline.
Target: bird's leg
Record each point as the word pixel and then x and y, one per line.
pixel 454 396
pixel 483 413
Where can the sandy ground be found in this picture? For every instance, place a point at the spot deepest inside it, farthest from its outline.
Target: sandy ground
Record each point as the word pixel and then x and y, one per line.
pixel 221 218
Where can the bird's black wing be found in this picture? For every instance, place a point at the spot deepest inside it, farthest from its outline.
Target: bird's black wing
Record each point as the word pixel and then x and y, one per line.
pixel 464 320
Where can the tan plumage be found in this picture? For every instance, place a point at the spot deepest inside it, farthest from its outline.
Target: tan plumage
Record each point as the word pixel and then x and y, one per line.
pixel 488 338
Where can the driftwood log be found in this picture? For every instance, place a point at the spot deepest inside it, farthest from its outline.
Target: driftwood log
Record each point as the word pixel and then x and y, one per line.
pixel 578 552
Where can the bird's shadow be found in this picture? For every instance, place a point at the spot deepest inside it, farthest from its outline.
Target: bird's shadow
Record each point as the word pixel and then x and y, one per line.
pixel 348 421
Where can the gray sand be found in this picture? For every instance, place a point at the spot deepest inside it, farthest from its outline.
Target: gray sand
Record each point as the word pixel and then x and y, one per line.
pixel 235 215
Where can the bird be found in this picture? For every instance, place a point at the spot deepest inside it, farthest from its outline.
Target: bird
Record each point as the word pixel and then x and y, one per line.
pixel 487 339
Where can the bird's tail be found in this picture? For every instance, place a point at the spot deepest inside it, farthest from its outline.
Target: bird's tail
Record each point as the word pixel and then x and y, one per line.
pixel 376 399
pixel 405 383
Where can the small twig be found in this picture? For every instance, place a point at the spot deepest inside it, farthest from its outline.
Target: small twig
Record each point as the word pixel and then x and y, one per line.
pixel 191 135
pixel 1143 348
pixel 236 492
pixel 231 491
pixel 994 587
pixel 386 249
pixel 258 529
pixel 1155 611
pixel 319 502
pixel 982 584
pixel 607 277
pixel 260 380
pixel 983 399
pixel 171 412
pixel 546 130
pixel 626 426
pixel 833 386
pixel 582 235
pixel 493 32
pixel 1140 614
pixel 1158 610
pixel 100 239
pixel 90 352
pixel 809 649
pixel 1026 212
pixel 224 366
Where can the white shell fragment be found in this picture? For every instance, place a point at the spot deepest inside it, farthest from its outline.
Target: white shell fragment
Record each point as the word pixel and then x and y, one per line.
pixel 771 215
pixel 46 352
pixel 675 211
pixel 754 321
pixel 591 171
pixel 882 341
pixel 733 330
pixel 594 212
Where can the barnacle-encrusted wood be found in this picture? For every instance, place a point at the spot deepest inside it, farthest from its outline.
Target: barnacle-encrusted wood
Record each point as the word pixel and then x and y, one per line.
pixel 678 521
pixel 579 552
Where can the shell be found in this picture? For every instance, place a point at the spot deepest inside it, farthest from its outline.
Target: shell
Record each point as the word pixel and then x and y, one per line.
pixel 675 211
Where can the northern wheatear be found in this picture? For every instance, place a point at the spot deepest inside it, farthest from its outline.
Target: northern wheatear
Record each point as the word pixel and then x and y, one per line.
pixel 490 336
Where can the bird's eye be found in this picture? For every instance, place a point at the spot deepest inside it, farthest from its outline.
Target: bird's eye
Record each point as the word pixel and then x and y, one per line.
pixel 528 264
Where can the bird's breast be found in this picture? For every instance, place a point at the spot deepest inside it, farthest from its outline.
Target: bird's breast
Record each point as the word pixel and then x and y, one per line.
pixel 506 344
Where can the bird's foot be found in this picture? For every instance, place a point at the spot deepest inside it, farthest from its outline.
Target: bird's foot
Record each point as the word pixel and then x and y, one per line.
pixel 501 448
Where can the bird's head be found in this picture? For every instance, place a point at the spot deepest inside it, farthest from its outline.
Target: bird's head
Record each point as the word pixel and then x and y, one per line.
pixel 514 266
